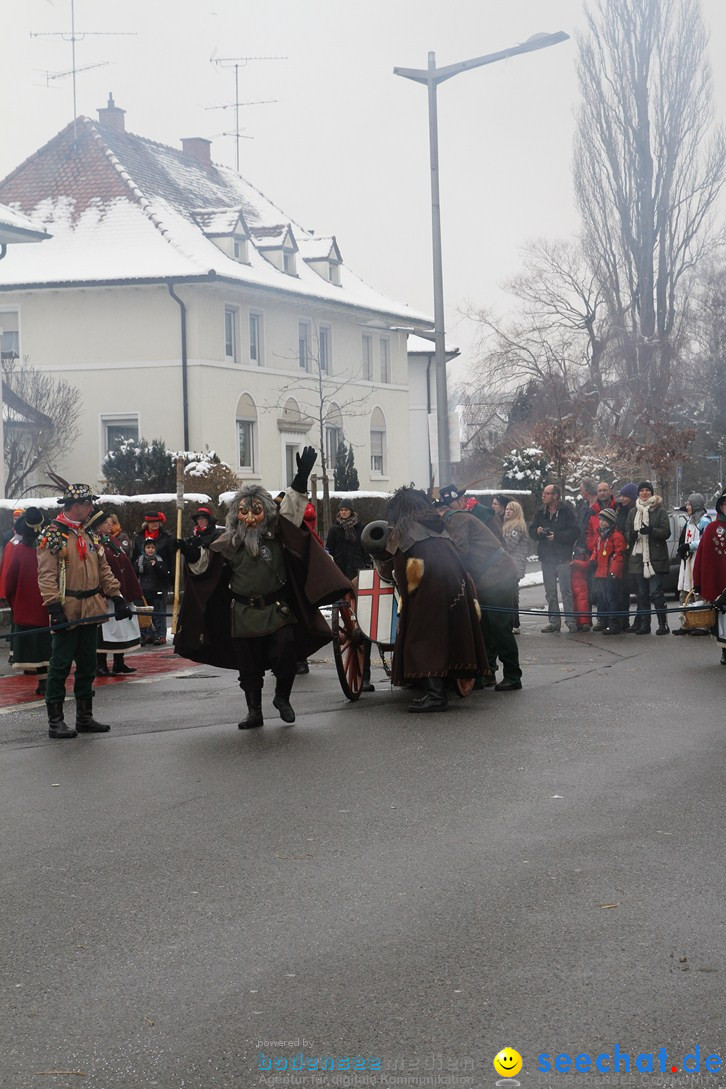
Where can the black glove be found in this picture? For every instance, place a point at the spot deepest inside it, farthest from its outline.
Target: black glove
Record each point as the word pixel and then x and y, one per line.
pixel 645 531
pixel 121 610
pixel 305 462
pixel 684 551
pixel 720 602
pixel 57 614
pixel 191 551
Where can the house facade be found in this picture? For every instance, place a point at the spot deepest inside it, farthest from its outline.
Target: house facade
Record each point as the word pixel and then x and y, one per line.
pixel 185 306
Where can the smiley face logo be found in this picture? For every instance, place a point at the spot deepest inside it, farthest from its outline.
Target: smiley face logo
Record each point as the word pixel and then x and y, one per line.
pixel 508 1062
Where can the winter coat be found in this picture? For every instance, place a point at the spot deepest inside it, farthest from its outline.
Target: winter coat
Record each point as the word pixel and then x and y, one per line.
pixel 609 555
pixel 564 524
pixel 487 516
pixel 347 552
pixel 660 531
pixel 21 585
pixel 592 530
pixel 517 544
pixel 86 568
pixel 122 568
pixel 154 575
pixel 483 555
pixel 709 569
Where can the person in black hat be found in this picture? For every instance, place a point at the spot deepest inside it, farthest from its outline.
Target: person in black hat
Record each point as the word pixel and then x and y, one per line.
pixel 456 499
pixel 75 582
pixel 205 531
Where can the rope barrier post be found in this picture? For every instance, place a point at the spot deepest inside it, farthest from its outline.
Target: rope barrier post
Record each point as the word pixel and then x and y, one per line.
pixel 177 565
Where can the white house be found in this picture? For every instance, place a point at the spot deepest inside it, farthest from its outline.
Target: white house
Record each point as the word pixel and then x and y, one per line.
pixel 186 306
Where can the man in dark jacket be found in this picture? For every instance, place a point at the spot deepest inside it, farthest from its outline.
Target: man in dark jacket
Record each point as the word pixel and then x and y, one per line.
pixel 624 504
pixel 554 528
pixel 343 541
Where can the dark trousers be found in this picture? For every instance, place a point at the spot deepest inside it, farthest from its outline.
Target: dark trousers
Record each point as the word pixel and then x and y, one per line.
pixel 650 590
pixel 256 654
pixel 66 647
pixel 609 593
pixel 158 618
pixel 496 628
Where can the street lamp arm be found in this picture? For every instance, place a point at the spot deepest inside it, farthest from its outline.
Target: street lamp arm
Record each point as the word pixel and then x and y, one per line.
pixel 440 75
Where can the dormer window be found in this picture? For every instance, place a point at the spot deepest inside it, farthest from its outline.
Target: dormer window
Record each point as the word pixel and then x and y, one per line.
pixel 277 245
pixel 227 229
pixel 322 256
pixel 240 249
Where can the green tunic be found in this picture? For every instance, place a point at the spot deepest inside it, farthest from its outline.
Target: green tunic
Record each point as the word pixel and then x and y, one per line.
pixel 259 576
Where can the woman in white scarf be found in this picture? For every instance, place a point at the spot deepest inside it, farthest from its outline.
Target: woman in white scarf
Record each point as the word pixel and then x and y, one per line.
pixel 648 530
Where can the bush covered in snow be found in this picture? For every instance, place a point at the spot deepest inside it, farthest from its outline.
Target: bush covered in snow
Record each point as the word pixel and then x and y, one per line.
pixel 136 466
pixel 526 467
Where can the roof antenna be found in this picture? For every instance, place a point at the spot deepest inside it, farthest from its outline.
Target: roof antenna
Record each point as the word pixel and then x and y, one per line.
pixel 73 37
pixel 237 63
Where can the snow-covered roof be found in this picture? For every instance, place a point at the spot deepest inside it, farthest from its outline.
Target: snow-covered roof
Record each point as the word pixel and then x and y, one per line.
pixel 418 345
pixel 320 248
pixel 219 221
pixel 15 227
pixel 122 208
pixel 51 501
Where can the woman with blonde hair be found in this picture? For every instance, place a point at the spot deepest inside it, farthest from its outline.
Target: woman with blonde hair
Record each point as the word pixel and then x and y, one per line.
pixel 516 542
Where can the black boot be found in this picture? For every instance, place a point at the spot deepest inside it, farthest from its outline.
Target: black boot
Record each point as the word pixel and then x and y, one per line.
pixel 723 657
pixel 102 669
pixel 119 665
pixel 281 699
pixel 663 628
pixel 254 709
pixel 56 723
pixel 85 722
pixel 434 697
pixel 40 690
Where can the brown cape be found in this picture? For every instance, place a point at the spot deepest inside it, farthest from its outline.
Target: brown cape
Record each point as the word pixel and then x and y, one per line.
pixel 313 579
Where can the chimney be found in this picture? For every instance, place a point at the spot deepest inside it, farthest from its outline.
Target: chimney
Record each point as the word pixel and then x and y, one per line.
pixel 111 116
pixel 199 149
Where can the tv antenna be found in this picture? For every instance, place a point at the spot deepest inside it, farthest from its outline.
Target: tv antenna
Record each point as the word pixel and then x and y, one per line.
pixel 237 63
pixel 73 37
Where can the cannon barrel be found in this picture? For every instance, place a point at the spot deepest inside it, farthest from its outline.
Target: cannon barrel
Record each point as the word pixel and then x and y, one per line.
pixel 374 537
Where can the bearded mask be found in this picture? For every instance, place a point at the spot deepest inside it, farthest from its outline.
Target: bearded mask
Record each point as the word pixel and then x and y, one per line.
pixel 251 513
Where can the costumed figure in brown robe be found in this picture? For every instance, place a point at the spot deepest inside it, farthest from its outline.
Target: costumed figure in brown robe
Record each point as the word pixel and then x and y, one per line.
pixel 251 601
pixel 438 636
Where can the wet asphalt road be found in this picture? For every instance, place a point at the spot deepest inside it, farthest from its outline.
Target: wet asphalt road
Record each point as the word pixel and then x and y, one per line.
pixel 541 869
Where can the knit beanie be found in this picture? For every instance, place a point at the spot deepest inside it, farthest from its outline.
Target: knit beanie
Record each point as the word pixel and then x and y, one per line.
pixel 630 491
pixel 608 514
pixel 646 484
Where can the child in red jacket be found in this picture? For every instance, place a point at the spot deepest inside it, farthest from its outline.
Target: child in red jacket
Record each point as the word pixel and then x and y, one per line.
pixel 609 560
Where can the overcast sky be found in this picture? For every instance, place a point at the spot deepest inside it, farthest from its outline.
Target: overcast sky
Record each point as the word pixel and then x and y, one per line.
pixel 344 150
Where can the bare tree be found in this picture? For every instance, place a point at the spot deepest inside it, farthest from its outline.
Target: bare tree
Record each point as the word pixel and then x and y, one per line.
pixel 649 167
pixel 41 422
pixel 325 399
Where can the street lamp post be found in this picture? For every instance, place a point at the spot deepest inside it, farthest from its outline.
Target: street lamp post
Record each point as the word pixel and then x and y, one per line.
pixel 432 77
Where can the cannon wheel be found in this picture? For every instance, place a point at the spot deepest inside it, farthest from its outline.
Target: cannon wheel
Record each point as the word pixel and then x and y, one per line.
pixel 464 685
pixel 348 647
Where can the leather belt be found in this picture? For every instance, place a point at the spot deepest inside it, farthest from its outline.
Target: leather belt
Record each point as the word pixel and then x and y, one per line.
pixel 84 593
pixel 259 601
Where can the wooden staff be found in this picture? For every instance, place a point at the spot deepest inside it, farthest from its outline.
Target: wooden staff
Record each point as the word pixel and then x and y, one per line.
pixel 177 565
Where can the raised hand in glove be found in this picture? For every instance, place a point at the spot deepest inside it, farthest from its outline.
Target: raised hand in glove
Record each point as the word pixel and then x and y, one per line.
pixel 121 610
pixel 305 462
pixel 57 614
pixel 645 531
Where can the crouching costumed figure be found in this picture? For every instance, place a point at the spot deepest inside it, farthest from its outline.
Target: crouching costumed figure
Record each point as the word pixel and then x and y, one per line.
pixel 438 636
pixel 251 600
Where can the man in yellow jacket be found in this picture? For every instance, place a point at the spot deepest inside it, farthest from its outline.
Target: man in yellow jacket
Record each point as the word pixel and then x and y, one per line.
pixel 76 583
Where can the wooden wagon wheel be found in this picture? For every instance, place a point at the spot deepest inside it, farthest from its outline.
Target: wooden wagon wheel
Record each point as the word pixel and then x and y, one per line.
pixel 464 685
pixel 348 647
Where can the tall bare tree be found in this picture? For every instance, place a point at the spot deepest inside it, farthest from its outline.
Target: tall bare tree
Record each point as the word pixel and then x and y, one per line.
pixel 41 423
pixel 649 167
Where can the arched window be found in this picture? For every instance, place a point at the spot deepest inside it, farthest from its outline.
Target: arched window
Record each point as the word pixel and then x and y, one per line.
pixel 333 435
pixel 247 438
pixel 378 443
